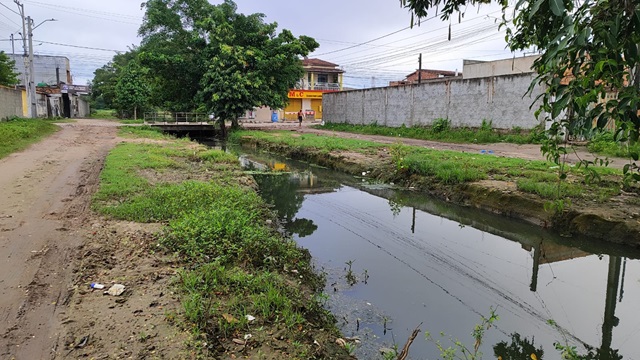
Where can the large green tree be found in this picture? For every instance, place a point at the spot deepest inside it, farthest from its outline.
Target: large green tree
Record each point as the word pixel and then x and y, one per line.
pixel 103 86
pixel 175 48
pixel 211 58
pixel 588 48
pixel 132 90
pixel 8 77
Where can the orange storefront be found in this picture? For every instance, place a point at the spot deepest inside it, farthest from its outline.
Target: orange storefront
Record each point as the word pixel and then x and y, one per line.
pixel 310 101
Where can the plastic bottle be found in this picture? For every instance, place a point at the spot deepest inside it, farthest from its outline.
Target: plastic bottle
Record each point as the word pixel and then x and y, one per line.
pixel 97 286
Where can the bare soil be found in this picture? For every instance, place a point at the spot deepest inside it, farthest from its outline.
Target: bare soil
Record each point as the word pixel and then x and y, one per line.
pixel 53 247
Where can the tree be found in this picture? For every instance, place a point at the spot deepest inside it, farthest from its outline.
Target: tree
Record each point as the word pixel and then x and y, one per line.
pixel 103 86
pixel 175 49
pixel 211 58
pixel 589 48
pixel 8 77
pixel 132 90
pixel 251 66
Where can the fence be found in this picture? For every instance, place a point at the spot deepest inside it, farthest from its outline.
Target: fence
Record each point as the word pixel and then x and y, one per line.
pixel 177 118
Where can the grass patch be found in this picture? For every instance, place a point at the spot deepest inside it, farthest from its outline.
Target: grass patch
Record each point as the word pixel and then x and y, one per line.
pixel 442 131
pixel 144 131
pixel 18 134
pixel 452 167
pixel 107 114
pixel 235 262
pixel 309 141
pixel 603 143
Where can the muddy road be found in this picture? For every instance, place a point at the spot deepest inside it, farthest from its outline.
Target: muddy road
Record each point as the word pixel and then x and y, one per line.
pixel 45 195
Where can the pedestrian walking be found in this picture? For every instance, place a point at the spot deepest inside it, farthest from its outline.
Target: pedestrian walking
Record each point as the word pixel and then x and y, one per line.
pixel 300 118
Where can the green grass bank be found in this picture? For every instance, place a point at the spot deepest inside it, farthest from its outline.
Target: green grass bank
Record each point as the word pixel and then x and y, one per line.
pixel 18 134
pixel 441 130
pixel 536 191
pixel 238 274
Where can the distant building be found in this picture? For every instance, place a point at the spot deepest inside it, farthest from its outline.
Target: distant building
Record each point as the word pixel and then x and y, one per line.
pixel 49 70
pixel 319 77
pixel 56 94
pixel 425 75
pixel 474 69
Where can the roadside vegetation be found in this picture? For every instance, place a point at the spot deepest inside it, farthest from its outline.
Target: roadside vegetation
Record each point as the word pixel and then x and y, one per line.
pixel 241 281
pixel 402 163
pixel 17 134
pixel 441 130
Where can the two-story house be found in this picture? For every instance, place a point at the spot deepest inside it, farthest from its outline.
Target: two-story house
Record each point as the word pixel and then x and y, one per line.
pixel 319 77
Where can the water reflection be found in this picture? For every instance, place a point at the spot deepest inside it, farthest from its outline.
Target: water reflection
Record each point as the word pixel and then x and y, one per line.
pixel 436 262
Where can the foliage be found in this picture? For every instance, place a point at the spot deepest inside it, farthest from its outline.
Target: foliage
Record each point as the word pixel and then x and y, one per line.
pixel 442 131
pixel 132 90
pixel 518 348
pixel 603 142
pixel 251 66
pixel 211 58
pixel 103 86
pixel 17 134
pixel 8 77
pixel 589 63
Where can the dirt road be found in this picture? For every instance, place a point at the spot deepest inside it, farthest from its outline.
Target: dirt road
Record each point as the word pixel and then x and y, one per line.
pixel 45 193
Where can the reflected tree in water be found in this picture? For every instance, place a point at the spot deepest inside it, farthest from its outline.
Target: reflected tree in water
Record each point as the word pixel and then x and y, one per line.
pixel 518 349
pixel 281 191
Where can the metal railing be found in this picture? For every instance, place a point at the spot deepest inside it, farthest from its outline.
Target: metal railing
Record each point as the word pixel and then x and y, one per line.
pixel 177 118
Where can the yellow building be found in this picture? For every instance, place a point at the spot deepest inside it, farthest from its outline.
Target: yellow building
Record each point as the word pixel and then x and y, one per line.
pixel 319 77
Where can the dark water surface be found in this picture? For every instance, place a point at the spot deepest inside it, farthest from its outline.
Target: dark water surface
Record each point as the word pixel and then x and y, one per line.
pixel 397 259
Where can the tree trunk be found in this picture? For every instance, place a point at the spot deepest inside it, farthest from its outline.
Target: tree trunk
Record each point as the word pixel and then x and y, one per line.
pixel 135 113
pixel 223 129
pixel 234 123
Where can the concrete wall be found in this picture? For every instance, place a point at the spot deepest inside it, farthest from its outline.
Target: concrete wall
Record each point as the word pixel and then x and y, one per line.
pixel 10 103
pixel 473 69
pixel 465 102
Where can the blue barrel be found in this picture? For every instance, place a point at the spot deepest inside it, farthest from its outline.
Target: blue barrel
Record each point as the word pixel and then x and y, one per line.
pixel 274 116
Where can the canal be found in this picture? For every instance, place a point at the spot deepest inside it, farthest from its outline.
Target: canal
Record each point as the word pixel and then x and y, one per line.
pixel 397 259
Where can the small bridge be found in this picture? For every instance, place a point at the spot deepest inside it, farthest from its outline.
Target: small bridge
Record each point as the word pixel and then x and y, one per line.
pixel 182 123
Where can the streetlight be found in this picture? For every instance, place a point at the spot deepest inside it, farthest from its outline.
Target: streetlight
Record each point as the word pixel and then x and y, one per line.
pixel 32 81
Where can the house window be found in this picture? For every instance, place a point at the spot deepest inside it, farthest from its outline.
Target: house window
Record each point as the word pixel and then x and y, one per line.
pixel 323 78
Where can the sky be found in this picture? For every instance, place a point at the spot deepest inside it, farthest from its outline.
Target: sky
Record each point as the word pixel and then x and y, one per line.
pixel 370 39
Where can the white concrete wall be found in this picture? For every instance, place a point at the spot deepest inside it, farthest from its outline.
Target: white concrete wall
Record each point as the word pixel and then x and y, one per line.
pixel 10 103
pixel 465 102
pixel 473 69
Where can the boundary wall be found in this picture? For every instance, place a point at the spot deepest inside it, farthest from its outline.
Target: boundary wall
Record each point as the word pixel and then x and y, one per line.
pixel 465 102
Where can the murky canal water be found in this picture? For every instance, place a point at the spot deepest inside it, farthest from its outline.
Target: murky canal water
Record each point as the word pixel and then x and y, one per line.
pixel 396 260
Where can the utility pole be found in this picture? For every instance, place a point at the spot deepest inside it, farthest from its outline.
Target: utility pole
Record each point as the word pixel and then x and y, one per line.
pixel 420 68
pixel 27 74
pixel 32 80
pixel 13 47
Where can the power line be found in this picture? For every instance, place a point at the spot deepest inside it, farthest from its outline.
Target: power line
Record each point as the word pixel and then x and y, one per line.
pixel 364 43
pixel 10 9
pixel 79 47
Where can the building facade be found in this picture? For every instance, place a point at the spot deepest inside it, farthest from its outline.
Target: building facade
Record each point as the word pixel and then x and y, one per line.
pixel 56 96
pixel 319 77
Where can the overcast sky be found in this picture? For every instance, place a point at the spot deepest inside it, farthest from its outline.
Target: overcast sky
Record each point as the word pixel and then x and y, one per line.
pixel 89 32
